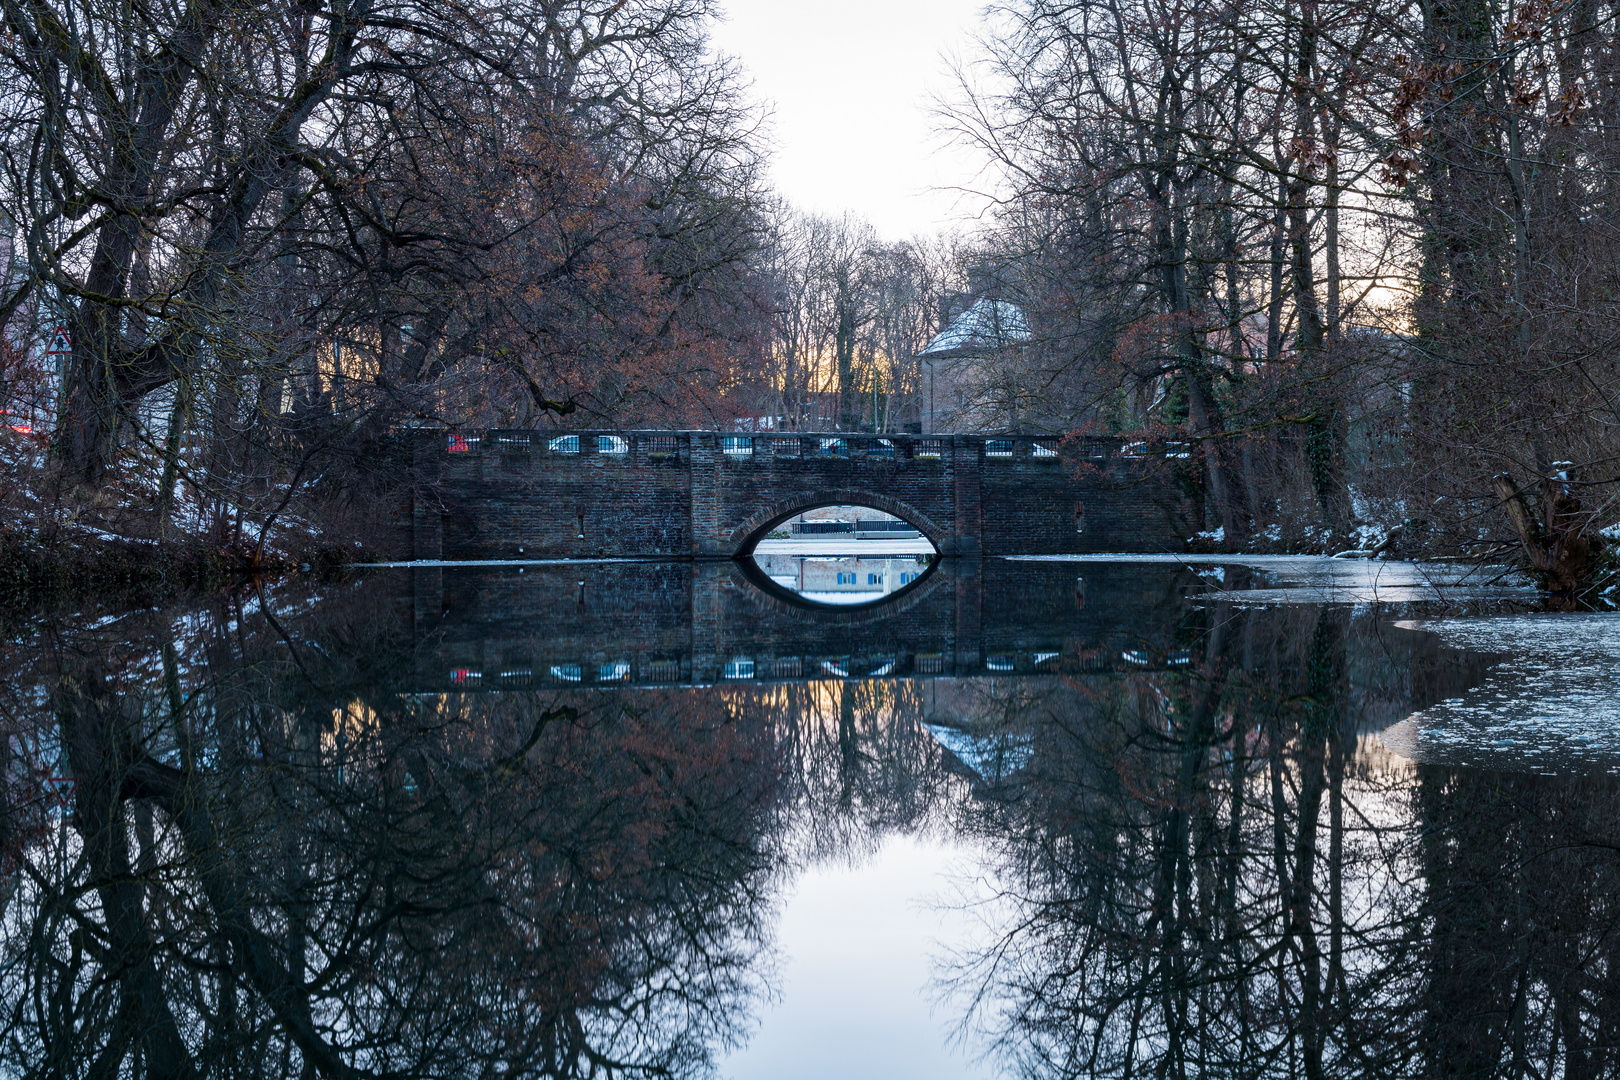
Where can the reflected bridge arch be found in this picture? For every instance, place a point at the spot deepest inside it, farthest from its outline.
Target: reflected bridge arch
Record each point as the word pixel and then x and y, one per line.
pixel 746 537
pixel 769 595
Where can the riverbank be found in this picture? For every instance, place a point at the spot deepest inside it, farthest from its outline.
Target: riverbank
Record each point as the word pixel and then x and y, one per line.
pixel 39 572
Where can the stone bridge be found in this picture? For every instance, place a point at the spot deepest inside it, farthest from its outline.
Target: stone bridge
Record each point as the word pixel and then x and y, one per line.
pixel 702 494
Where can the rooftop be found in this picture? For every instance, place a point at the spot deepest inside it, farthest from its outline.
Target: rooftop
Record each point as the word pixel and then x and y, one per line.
pixel 985 327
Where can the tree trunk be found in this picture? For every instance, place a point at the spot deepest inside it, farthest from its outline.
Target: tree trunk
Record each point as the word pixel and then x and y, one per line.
pixel 844 353
pixel 1558 544
pixel 171 458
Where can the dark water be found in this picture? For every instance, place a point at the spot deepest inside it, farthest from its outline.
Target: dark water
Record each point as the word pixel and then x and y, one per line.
pixel 1032 818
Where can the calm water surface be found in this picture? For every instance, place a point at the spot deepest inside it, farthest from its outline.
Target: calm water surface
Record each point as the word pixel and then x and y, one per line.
pixel 1040 817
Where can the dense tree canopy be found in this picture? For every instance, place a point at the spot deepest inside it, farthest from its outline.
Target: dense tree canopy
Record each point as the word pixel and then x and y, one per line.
pixel 1353 253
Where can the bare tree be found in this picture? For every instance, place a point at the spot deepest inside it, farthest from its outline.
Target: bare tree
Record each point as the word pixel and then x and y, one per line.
pixel 851 314
pixel 373 213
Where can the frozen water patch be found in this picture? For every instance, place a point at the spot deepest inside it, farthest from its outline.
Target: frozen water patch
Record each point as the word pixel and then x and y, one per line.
pixel 1316 579
pixel 1553 705
pixel 456 564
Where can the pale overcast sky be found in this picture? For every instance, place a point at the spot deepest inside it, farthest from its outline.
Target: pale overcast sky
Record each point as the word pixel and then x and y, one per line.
pixel 850 82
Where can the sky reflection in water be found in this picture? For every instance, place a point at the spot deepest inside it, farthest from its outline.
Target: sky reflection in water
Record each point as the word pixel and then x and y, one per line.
pixel 1199 818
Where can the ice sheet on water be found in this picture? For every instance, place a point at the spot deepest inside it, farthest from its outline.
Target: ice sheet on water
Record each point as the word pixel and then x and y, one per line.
pixel 1317 579
pixel 1551 705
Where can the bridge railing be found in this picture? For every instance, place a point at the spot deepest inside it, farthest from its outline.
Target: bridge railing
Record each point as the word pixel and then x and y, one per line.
pixel 678 446
pixel 1098 658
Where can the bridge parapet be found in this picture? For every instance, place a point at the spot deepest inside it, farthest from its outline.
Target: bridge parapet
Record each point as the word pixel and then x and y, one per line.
pixel 625 492
pixel 630 445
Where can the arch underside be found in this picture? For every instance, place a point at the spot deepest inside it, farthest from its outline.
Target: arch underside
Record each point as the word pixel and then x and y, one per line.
pixel 746 536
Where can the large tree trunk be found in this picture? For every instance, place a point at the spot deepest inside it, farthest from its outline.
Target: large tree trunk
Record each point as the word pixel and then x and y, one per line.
pixel 1561 548
pixel 1324 433
pixel 844 350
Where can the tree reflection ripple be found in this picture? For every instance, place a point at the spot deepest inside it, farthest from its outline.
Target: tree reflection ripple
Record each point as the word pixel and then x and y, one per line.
pixel 1223 873
pixel 244 839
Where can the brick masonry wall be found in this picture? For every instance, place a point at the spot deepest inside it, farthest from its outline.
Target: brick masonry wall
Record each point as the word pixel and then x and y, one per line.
pixel 682 494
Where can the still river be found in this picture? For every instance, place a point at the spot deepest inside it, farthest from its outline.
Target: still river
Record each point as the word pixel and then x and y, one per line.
pixel 1040 817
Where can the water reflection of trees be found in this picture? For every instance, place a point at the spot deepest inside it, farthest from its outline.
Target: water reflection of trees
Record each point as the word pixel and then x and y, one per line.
pixel 233 847
pixel 1212 873
pixel 857 762
pixel 236 851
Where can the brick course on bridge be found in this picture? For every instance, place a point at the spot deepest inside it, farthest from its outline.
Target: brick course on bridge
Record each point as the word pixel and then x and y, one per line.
pixel 701 494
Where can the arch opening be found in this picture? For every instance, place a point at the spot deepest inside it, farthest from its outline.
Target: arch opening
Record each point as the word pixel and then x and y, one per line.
pixel 839 555
pixel 748 535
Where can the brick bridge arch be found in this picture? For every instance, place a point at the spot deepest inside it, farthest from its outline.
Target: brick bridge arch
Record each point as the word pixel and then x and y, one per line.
pixel 744 537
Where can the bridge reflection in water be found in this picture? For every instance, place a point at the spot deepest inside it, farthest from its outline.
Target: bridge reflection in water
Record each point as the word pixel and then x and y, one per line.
pixel 659 624
pixel 656 624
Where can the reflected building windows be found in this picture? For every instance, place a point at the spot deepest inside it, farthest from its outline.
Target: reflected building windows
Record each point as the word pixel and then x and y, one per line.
pixel 843 555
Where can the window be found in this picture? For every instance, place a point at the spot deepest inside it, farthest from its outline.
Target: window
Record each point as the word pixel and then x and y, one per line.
pixel 929 664
pixel 663 446
pixel 835 447
pixel 740 668
pixel 874 579
pixel 615 672
pixel 1043 448
pixel 998 448
pixel 512 441
pixel 564 444
pixel 907 578
pixel 880 448
pixel 462 676
pixel 930 448
pixel 612 444
pixel 462 444
pixel 785 447
pixel 846 579
pixel 566 672
pixel 737 445
pixel 999 663
pixel 821 528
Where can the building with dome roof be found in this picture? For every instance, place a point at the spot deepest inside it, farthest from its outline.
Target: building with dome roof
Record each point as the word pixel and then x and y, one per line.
pixel 967 385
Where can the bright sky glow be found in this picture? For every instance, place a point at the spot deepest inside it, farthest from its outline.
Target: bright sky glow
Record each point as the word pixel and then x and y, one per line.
pixel 860 943
pixel 851 83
